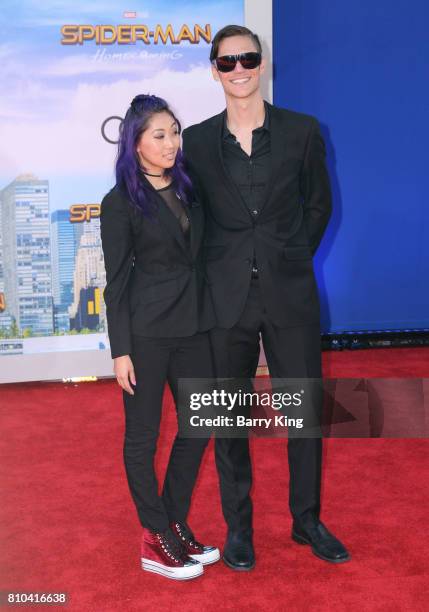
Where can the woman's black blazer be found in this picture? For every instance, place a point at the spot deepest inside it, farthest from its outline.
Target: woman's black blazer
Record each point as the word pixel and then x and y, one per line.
pixel 155 283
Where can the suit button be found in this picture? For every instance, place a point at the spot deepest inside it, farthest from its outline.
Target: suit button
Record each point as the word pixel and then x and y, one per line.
pixel 254 212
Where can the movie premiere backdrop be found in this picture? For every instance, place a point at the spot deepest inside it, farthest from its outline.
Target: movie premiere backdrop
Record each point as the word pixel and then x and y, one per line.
pixel 69 71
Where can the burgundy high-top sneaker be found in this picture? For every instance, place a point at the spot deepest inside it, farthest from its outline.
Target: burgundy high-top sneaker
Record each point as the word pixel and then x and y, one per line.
pixel 163 554
pixel 193 548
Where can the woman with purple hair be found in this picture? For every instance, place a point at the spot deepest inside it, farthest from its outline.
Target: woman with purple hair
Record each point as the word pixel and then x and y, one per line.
pixel 158 313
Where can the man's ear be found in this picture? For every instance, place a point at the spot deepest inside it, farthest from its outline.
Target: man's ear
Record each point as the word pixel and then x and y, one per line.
pixel 262 65
pixel 215 73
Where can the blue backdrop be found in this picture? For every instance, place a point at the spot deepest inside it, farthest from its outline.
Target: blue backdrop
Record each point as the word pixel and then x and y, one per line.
pixel 362 69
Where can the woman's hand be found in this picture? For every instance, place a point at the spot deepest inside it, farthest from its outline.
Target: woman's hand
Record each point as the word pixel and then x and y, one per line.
pixel 124 372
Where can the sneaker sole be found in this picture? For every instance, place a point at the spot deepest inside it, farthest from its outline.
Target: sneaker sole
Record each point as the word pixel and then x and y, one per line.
pixel 208 558
pixel 179 573
pixel 301 540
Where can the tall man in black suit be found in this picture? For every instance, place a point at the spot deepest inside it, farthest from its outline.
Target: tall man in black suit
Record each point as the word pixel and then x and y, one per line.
pixel 262 177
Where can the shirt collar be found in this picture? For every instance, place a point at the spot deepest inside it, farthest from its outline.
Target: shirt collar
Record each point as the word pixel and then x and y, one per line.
pixel 265 126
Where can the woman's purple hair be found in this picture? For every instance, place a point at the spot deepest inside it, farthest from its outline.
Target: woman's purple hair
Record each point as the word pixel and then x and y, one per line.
pixel 129 176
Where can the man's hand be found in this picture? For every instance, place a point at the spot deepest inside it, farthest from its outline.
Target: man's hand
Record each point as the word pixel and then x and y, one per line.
pixel 124 372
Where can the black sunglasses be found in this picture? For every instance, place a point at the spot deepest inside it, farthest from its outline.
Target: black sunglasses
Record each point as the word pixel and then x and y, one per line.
pixel 227 63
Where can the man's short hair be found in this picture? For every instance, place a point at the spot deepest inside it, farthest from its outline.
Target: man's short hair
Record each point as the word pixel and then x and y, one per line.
pixel 233 30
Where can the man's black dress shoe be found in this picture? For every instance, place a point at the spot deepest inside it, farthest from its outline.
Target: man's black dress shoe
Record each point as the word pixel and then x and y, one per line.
pixel 238 553
pixel 323 544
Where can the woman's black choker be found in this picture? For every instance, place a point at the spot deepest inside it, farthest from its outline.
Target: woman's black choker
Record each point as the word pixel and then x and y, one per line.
pixel 148 174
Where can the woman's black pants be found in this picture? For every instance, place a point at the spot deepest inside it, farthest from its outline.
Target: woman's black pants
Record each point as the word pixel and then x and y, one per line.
pixel 156 361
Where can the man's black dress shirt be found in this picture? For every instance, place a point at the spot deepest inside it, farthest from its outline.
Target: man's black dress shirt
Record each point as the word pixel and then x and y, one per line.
pixel 250 173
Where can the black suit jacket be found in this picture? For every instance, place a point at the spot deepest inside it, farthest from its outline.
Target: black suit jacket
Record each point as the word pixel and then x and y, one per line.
pixel 283 236
pixel 155 284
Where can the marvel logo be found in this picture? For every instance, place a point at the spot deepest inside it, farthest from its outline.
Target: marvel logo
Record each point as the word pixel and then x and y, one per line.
pixel 129 14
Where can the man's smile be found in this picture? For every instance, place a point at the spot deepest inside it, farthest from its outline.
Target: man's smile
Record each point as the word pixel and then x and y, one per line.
pixel 240 81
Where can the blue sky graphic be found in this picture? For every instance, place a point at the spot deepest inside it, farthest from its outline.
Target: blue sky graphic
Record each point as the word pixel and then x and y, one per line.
pixel 40 76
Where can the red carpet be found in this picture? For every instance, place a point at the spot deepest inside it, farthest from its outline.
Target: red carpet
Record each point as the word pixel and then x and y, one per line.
pixel 68 523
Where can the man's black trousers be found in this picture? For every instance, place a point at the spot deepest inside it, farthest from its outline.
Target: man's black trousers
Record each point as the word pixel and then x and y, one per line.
pixel 291 353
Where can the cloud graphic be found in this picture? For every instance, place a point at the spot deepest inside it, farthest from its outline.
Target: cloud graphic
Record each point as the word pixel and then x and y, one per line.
pixel 71 143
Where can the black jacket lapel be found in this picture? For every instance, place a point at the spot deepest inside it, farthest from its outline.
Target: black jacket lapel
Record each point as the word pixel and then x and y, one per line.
pixel 171 224
pixel 225 177
pixel 278 145
pixel 166 217
pixel 196 217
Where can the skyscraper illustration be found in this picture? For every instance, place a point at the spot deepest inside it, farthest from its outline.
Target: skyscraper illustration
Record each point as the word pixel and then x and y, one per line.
pixel 88 309
pixel 65 239
pixel 5 318
pixel 26 256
